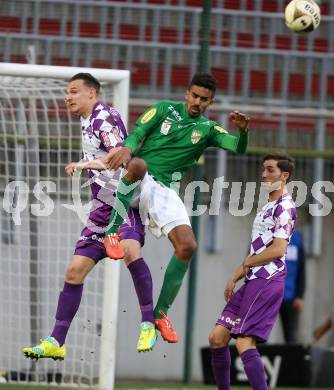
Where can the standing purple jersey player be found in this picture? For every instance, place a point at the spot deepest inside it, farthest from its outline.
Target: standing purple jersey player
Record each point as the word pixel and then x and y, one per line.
pixel 251 312
pixel 102 131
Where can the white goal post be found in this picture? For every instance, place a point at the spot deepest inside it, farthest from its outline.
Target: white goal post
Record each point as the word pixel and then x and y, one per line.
pixel 37 138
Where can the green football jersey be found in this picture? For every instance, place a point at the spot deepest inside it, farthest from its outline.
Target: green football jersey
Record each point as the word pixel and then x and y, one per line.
pixel 171 141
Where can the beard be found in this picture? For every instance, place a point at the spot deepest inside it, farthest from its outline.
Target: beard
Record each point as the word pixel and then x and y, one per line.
pixel 270 187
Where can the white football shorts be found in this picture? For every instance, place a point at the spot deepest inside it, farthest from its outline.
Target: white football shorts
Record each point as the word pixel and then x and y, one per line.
pixel 160 208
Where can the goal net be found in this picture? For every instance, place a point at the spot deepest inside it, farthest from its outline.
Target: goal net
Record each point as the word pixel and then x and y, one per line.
pixel 40 225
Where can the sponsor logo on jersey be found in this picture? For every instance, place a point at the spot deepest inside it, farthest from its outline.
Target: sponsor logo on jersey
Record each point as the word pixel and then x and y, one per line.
pixel 92 237
pixel 165 126
pixel 175 113
pixel 106 139
pixel 237 321
pixel 228 320
pixel 148 116
pixel 195 136
pixel 220 129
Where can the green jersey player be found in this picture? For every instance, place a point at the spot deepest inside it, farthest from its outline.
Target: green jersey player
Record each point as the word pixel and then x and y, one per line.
pixel 170 137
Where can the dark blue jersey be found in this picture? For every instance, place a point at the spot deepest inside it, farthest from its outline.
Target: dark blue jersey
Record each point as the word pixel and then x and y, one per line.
pixel 295 259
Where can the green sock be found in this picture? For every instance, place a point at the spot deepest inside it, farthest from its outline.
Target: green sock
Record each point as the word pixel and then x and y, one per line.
pixel 122 203
pixel 174 274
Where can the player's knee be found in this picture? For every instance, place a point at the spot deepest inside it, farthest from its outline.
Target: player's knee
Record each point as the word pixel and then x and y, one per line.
pixel 213 340
pixel 137 169
pixel 132 250
pixel 74 275
pixel 186 249
pixel 217 340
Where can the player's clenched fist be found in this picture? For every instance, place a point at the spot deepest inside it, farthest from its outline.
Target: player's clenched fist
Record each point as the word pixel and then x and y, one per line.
pixel 71 168
pixel 120 158
pixel 240 120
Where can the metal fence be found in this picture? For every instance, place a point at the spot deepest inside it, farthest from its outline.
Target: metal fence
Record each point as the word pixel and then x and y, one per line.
pixel 253 55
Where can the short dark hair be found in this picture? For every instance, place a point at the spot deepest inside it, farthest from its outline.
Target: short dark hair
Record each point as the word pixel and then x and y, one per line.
pixel 284 162
pixel 204 80
pixel 88 80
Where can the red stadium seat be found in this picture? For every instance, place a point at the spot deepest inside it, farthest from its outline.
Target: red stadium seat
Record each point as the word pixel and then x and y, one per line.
pixel 18 58
pixel 187 35
pixel 330 85
pixel 232 4
pixel 264 41
pixel 10 24
pixel 325 7
pixel 168 35
pixel 141 73
pixel 320 44
pixel 147 33
pixel 269 6
pixel 221 75
pixel 258 81
pixel 155 2
pixel 250 6
pixel 129 32
pixel 49 26
pixel 102 64
pixel 283 42
pixel 226 38
pixel 297 83
pixel 180 75
pixel 89 29
pixel 194 3
pixel 61 61
pixel 301 43
pixel 245 40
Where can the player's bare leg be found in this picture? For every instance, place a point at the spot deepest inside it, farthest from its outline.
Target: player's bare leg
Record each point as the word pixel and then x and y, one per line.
pixel 183 240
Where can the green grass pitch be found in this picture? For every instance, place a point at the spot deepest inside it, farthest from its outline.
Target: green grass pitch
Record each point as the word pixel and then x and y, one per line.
pixel 140 386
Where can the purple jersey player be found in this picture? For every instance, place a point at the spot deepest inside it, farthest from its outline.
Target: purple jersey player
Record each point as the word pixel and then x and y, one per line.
pixel 102 131
pixel 251 311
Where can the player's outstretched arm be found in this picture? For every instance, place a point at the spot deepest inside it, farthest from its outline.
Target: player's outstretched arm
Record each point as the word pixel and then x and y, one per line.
pixel 236 144
pixel 99 164
pixel 121 157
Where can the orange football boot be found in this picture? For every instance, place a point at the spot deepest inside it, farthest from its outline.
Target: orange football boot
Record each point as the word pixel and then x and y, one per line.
pixel 166 328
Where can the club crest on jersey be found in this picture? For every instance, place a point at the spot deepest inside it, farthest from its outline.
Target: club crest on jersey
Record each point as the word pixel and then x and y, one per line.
pixel 165 126
pixel 148 116
pixel 195 136
pixel 288 227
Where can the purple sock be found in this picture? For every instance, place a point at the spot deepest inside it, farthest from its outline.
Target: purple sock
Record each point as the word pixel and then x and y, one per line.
pixel 68 304
pixel 142 281
pixel 221 366
pixel 254 369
